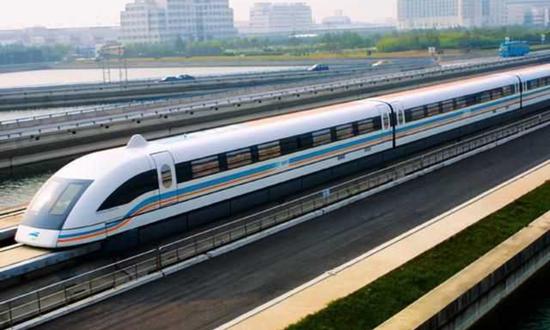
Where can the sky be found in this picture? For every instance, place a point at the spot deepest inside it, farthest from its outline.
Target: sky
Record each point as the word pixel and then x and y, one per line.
pixel 69 13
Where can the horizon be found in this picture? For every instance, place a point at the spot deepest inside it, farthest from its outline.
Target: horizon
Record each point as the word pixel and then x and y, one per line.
pixel 87 13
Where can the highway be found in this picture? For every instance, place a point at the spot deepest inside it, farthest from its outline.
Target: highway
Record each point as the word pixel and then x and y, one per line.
pixel 80 94
pixel 212 293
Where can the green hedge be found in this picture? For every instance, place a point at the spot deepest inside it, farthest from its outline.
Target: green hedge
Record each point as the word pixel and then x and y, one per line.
pixel 377 302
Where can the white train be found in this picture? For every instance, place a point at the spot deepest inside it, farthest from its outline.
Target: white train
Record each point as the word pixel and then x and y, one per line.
pixel 184 182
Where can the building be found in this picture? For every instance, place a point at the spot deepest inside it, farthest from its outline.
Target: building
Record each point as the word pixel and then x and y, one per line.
pixel 151 21
pixel 338 20
pixel 143 21
pixel 528 12
pixel 200 19
pixel 81 37
pixel 268 17
pixel 442 14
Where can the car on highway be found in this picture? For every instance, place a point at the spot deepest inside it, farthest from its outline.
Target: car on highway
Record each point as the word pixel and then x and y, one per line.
pixel 184 77
pixel 181 77
pixel 169 79
pixel 319 68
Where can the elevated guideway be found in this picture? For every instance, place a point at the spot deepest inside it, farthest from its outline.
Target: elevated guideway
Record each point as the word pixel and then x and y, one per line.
pixel 39 139
pixel 380 222
pixel 9 220
pixel 70 95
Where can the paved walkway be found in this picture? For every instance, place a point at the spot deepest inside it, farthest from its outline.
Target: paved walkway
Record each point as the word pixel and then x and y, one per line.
pixel 342 281
pixel 436 300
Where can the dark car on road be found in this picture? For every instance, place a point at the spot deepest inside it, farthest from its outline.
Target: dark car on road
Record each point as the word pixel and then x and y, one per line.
pixel 182 77
pixel 319 67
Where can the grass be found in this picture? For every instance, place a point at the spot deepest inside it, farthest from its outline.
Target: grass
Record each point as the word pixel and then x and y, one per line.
pixel 380 300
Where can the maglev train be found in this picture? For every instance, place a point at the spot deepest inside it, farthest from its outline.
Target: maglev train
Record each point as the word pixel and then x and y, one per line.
pixel 184 182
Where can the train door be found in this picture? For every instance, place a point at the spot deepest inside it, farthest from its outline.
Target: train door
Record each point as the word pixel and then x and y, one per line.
pixel 166 174
pixel 399 108
pixel 384 111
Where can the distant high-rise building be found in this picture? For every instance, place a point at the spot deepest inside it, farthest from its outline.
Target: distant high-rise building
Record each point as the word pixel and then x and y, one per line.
pixel 528 12
pixel 339 19
pixel 268 17
pixel 143 21
pixel 149 21
pixel 441 14
pixel 200 19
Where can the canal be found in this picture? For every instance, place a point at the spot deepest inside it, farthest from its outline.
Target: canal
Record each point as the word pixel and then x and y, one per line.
pixel 526 309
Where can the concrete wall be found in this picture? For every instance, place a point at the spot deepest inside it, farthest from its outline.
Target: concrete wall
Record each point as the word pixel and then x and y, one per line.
pixel 480 299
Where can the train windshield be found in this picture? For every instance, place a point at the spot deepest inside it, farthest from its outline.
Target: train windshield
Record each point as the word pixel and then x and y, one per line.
pixel 51 205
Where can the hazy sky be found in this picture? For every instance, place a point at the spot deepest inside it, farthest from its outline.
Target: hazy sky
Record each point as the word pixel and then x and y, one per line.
pixel 64 13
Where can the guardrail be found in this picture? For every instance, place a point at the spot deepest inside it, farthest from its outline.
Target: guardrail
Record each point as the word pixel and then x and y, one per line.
pixel 192 109
pixel 126 107
pixel 199 80
pixel 52 297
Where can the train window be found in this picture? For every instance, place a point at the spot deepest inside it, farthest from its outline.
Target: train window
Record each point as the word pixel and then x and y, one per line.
pixel 496 93
pixel 471 100
pixel 447 106
pixel 166 176
pixel 415 114
pixel 366 126
pixel 460 103
pixel 204 167
pixel 484 97
pixel 507 90
pixel 289 145
pixel 433 109
pixel 139 185
pixel 322 137
pixel 344 132
pixel 239 158
pixel 532 84
pixel 268 151
pixel 305 141
pixel 183 172
pixel 69 197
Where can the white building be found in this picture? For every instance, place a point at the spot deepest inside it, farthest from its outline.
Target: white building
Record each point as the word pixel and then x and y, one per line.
pixel 338 20
pixel 150 21
pixel 442 14
pixel 200 19
pixel 268 17
pixel 143 21
pixel 528 12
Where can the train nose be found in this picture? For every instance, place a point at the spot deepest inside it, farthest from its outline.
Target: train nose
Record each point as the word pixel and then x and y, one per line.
pixel 44 238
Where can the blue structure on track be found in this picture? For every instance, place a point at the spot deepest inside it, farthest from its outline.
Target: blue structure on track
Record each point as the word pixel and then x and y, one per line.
pixel 514 48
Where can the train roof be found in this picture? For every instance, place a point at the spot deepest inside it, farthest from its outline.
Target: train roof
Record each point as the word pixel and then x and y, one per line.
pixel 446 91
pixel 233 137
pixel 532 72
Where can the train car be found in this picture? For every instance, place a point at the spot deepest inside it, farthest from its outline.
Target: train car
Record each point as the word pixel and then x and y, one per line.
pixel 535 86
pixel 118 190
pixel 149 189
pixel 434 111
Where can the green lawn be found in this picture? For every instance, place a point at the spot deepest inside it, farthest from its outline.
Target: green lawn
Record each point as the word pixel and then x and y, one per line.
pixel 377 302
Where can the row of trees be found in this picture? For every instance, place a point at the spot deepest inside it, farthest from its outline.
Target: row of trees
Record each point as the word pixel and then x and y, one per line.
pixel 254 46
pixel 331 42
pixel 335 42
pixel 18 54
pixel 456 38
